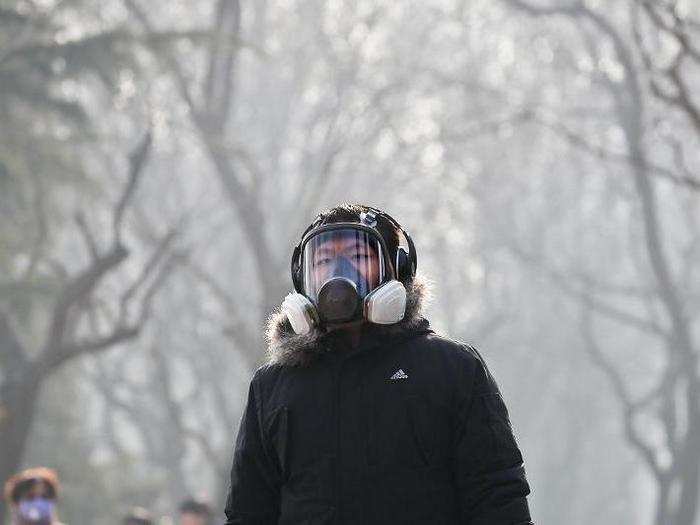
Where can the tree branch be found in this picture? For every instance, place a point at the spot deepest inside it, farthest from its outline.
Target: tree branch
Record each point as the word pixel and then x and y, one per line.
pixel 159 253
pixel 10 345
pixel 63 353
pixel 87 235
pixel 83 285
pixel 42 226
pixel 574 8
pixel 79 288
pixel 222 57
pixel 684 180
pixel 644 325
pixel 629 408
pixel 234 327
pixel 137 159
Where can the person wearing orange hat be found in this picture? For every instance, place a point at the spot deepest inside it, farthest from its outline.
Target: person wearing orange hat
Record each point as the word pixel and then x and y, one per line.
pixel 32 495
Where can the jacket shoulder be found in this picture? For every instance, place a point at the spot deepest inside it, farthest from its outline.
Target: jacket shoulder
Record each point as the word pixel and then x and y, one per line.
pixel 265 378
pixel 265 372
pixel 466 364
pixel 459 352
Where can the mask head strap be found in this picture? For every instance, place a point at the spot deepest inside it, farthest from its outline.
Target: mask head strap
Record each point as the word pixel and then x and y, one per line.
pixel 405 263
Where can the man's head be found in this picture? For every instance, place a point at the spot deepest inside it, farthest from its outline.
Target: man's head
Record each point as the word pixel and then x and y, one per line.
pixel 32 496
pixel 138 516
pixel 349 267
pixel 193 512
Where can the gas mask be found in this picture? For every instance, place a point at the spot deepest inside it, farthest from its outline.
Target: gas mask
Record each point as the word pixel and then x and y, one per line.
pixel 37 510
pixel 342 273
pixel 339 298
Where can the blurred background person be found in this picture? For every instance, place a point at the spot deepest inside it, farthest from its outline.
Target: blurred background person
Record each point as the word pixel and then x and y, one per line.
pixel 138 516
pixel 195 512
pixel 32 495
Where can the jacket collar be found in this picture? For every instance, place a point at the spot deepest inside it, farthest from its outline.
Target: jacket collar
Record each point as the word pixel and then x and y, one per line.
pixel 287 348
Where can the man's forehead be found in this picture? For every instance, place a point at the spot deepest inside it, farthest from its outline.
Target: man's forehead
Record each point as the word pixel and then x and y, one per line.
pixel 342 243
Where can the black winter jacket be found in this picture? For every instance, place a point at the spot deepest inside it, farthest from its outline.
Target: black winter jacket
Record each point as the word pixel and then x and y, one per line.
pixel 407 428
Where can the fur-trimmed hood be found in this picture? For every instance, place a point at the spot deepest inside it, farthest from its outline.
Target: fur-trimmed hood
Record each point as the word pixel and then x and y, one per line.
pixel 287 348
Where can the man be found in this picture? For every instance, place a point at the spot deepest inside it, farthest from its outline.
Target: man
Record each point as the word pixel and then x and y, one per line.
pixel 138 516
pixel 194 512
pixel 363 414
pixel 31 495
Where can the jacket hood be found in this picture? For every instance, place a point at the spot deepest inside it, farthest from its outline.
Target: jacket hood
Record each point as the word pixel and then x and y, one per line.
pixel 285 347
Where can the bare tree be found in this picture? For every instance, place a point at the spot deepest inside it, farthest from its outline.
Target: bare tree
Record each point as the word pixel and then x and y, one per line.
pixel 64 339
pixel 670 82
pixel 266 208
pixel 677 391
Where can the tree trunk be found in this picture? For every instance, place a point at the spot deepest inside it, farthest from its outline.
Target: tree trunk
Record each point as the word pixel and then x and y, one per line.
pixel 18 397
pixel 630 109
pixel 689 458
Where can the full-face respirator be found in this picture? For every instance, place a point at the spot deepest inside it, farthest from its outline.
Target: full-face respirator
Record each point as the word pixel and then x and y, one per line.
pixel 343 272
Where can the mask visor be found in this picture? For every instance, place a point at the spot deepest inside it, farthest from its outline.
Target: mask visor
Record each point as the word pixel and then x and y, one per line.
pixel 345 253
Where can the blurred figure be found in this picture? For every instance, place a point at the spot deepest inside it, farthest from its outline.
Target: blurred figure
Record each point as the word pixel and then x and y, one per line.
pixel 193 512
pixel 138 516
pixel 31 495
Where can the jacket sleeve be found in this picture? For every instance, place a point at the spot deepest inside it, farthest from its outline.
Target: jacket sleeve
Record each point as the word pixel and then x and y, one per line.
pixel 489 476
pixel 254 492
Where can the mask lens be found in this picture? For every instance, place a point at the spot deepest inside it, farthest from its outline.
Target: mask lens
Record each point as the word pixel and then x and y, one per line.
pixel 345 253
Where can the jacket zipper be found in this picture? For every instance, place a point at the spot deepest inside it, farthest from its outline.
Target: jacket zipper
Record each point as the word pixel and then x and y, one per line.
pixel 338 368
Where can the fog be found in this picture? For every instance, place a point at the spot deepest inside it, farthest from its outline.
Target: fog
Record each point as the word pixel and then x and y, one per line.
pixel 160 160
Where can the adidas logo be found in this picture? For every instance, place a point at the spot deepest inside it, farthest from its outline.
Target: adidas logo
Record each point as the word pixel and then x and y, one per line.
pixel 399 374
